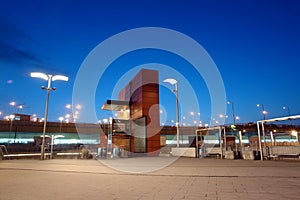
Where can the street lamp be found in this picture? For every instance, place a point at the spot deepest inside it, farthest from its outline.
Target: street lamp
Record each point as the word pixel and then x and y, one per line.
pixel 48 78
pixel 233 113
pixel 175 82
pixel 74 114
pixel 11 118
pixel 289 113
pixel 60 119
pixel 264 112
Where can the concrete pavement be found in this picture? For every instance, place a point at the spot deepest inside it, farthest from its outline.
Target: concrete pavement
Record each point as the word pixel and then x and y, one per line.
pixel 167 178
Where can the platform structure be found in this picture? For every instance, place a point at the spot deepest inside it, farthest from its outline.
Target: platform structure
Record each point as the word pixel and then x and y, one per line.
pixel 272 149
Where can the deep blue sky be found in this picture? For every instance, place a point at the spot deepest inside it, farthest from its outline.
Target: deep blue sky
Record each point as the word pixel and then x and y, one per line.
pixel 255 45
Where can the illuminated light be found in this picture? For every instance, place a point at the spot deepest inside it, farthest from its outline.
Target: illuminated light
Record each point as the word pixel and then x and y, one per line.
pixel 39 75
pixel 170 80
pixel 67 116
pixel 68 106
pixel 12 103
pixel 264 112
pixel 221 115
pixel 274 130
pixel 78 106
pixel 294 133
pixel 192 113
pixel 244 131
pixel 60 78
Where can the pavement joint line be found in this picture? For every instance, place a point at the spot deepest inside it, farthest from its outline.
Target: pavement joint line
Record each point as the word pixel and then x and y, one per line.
pixel 145 174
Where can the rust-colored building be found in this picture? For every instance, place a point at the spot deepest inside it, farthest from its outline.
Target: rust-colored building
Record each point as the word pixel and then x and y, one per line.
pixel 142 97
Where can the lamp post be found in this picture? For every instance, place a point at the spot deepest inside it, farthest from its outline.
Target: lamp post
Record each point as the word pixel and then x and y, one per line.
pixel 289 113
pixel 175 82
pixel 11 118
pixel 60 119
pixel 49 78
pixel 233 113
pixel 264 112
pixel 52 143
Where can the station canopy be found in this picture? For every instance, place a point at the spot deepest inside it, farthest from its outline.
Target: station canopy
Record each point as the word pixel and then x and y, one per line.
pixel 115 105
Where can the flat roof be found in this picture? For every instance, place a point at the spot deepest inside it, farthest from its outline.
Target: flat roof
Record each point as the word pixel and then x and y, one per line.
pixel 116 105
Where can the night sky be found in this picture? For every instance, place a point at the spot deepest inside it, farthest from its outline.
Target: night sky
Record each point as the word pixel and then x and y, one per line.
pixel 254 44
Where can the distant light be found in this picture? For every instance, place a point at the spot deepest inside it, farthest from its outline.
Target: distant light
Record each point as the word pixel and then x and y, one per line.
pixel 12 103
pixel 264 112
pixel 61 119
pixel 10 81
pixel 68 106
pixel 78 106
pixel 294 133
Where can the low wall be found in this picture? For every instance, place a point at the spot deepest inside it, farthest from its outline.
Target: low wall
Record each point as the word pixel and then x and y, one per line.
pixel 183 152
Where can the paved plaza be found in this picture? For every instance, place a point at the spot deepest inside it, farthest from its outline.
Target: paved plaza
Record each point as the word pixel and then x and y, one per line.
pixel 153 178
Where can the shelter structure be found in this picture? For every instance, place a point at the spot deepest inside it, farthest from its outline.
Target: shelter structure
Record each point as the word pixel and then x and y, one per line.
pixel 272 150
